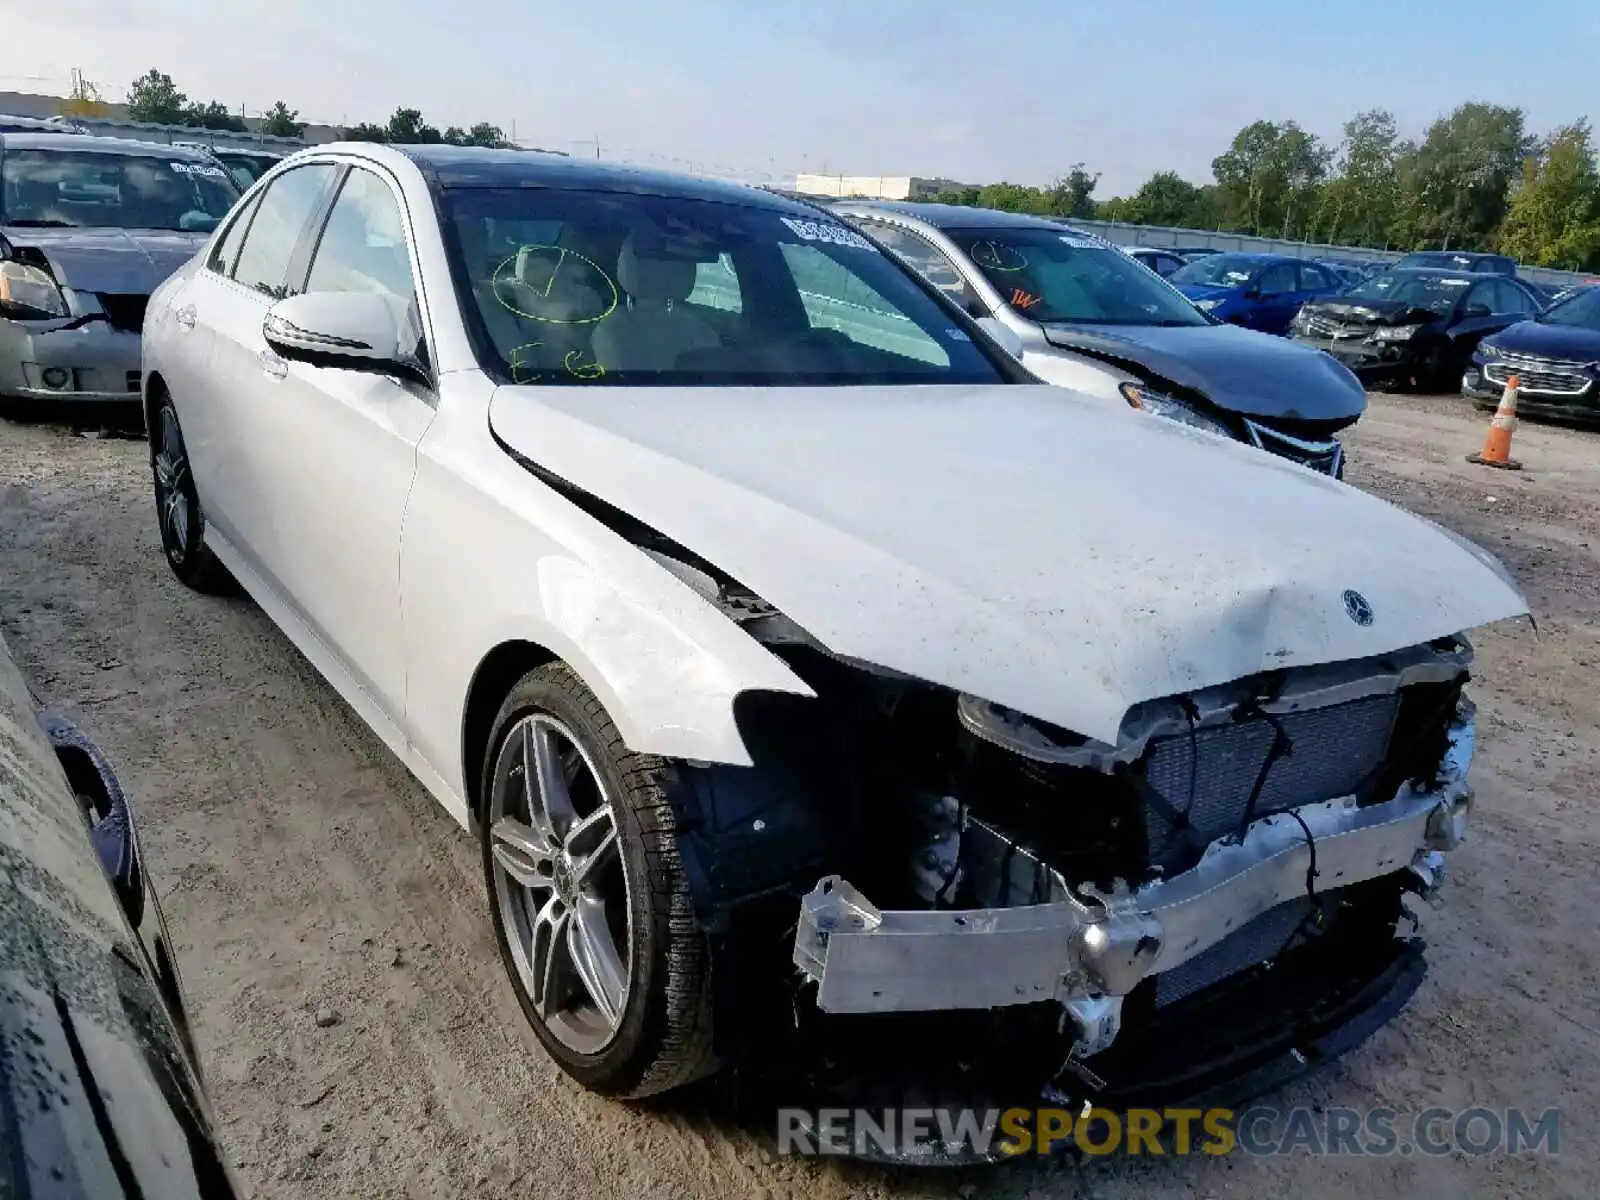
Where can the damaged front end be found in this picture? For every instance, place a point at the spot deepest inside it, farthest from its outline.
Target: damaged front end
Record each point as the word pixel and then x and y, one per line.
pixel 1202 908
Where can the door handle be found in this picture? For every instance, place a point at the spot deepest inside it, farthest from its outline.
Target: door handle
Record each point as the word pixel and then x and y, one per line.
pixel 184 316
pixel 272 366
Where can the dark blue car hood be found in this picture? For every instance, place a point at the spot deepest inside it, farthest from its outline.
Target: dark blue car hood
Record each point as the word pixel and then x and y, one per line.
pixel 1238 370
pixel 1566 342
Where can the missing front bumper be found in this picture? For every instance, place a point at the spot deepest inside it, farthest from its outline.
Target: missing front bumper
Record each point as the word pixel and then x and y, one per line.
pixel 1087 953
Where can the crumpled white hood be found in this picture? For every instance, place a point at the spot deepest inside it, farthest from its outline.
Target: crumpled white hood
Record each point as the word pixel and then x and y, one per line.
pixel 1012 542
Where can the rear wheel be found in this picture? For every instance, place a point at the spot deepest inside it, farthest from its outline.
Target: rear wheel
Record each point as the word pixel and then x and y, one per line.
pixel 591 910
pixel 178 507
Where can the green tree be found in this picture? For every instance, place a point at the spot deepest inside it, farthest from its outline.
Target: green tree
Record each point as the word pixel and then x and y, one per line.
pixel 485 134
pixel 1554 216
pixel 213 115
pixel 1454 188
pixel 1013 197
pixel 454 135
pixel 154 97
pixel 366 132
pixel 965 197
pixel 1268 179
pixel 1166 198
pixel 282 121
pixel 1072 195
pixel 406 127
pixel 1360 202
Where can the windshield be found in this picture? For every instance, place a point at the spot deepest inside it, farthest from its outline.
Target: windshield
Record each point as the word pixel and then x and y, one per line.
pixel 245 168
pixel 1217 270
pixel 1062 277
pixel 593 288
pixel 1436 293
pixel 1581 310
pixel 97 190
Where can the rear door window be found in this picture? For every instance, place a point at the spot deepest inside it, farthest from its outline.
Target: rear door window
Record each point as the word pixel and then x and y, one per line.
pixel 1277 280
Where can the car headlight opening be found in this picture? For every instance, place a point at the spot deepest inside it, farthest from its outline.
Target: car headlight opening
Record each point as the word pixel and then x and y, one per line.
pixel 1147 399
pixel 30 291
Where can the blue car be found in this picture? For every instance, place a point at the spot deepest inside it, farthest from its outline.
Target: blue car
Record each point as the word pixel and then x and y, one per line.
pixel 1555 357
pixel 1258 291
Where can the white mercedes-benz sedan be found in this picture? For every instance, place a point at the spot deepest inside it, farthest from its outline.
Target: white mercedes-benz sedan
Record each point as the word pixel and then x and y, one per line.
pixel 822 688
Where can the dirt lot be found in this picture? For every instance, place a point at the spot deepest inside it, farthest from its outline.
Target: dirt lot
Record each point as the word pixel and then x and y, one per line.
pixel 304 869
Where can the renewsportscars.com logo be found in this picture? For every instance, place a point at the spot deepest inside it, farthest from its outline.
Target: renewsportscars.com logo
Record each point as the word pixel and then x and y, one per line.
pixel 921 1133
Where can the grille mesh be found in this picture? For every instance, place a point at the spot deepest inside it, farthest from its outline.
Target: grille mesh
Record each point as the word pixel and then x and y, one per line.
pixel 1334 750
pixel 1256 942
pixel 1539 375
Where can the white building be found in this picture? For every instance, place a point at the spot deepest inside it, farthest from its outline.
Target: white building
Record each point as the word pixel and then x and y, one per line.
pixel 874 187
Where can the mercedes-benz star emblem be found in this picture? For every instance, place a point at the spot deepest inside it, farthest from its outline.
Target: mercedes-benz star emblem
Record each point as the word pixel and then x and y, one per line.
pixel 1355 604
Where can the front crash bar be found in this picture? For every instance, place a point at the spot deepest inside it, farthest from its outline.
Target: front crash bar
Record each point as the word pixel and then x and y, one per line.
pixel 865 960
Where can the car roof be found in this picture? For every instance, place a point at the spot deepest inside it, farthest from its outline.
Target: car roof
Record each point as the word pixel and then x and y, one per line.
pixel 478 167
pixel 951 216
pixel 80 143
pixel 1470 255
pixel 1446 273
pixel 1257 256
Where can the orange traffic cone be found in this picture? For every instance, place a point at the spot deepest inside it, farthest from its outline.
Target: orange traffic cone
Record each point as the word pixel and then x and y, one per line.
pixel 1496 450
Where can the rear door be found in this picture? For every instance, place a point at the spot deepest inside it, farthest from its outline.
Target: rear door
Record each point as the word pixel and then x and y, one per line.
pixel 337 448
pixel 241 374
pixel 186 368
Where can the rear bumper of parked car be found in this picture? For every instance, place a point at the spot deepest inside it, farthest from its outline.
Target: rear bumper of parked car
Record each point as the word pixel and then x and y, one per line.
pixel 1532 400
pixel 68 360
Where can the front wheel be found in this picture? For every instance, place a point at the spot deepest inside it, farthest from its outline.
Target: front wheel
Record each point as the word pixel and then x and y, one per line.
pixel 591 909
pixel 178 507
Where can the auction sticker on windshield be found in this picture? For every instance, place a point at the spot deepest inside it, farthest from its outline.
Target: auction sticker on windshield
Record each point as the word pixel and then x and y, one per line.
pixel 1081 243
pixel 184 168
pixel 826 231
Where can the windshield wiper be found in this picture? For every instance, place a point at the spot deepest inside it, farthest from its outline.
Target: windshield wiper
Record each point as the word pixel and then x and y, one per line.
pixel 37 223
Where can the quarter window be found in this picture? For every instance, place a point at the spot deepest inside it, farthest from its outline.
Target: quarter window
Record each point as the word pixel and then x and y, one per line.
pixel 280 219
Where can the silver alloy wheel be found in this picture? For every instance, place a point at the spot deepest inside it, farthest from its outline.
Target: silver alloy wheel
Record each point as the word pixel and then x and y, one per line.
pixel 172 500
pixel 561 883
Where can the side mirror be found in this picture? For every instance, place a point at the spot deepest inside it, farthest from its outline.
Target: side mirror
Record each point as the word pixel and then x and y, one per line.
pixel 354 331
pixel 1003 335
pixel 1475 310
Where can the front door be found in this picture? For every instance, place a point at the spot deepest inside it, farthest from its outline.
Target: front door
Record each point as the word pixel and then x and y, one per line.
pixel 227 307
pixel 341 453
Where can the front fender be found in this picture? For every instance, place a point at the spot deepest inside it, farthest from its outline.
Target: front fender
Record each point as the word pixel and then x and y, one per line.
pixel 491 554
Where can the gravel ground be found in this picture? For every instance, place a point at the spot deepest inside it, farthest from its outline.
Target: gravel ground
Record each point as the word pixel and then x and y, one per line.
pixel 359 1038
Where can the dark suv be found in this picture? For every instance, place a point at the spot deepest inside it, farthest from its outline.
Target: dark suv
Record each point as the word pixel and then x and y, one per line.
pixel 1460 260
pixel 1555 357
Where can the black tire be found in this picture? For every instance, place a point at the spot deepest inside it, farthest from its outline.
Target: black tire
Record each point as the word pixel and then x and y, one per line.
pixel 178 516
pixel 663 1035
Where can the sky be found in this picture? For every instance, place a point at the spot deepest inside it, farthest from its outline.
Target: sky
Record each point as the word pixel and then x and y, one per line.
pixel 1011 89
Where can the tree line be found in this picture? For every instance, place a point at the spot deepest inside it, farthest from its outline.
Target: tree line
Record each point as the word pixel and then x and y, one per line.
pixel 156 98
pixel 1477 180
